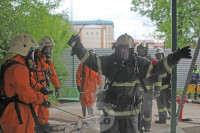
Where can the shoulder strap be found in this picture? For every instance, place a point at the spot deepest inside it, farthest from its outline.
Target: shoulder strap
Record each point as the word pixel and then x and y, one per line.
pixel 139 76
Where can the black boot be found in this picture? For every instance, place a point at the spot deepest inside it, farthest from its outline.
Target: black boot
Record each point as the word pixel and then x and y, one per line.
pixel 84 111
pixel 46 128
pixel 90 110
pixel 146 129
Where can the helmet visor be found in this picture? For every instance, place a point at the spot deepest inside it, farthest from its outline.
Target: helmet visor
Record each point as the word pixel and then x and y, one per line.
pixel 123 53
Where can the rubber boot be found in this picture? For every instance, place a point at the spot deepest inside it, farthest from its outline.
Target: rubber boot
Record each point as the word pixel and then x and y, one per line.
pixel 90 110
pixel 46 128
pixel 84 111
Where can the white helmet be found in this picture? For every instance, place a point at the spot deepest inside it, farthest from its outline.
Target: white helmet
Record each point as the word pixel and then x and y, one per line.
pixel 21 44
pixel 46 41
pixel 159 51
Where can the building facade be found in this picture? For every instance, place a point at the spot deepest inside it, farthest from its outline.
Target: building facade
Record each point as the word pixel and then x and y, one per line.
pixel 95 34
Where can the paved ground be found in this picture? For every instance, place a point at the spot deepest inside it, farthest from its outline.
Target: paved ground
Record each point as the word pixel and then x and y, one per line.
pixel 61 120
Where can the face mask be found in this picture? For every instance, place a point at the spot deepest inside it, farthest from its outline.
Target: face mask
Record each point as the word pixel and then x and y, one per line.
pixel 47 51
pixel 159 56
pixel 142 52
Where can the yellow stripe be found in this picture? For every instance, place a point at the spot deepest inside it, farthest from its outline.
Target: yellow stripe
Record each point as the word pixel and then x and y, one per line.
pixel 123 113
pixel 165 87
pixel 149 70
pixel 99 65
pixel 164 75
pixel 125 84
pixel 167 67
pixel 162 110
pixel 158 83
pixel 169 110
pixel 85 57
pixel 147 119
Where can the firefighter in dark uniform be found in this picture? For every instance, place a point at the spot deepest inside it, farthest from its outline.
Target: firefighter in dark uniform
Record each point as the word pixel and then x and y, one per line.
pixel 150 83
pixel 123 72
pixel 164 100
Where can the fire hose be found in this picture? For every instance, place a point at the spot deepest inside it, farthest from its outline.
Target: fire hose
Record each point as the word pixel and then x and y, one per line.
pixel 67 112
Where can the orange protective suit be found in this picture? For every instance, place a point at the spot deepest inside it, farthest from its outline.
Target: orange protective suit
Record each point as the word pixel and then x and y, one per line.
pixel 17 81
pixel 38 80
pixel 88 80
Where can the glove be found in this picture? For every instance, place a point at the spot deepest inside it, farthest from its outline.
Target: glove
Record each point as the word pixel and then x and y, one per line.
pixel 79 88
pixel 156 94
pixel 183 53
pixel 45 91
pixel 45 103
pixel 74 40
pixel 57 92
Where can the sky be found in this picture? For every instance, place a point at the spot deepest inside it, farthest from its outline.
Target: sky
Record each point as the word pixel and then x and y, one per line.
pixel 117 11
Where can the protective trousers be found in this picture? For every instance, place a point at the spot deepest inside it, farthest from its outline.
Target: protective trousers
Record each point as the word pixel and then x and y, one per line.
pixel 147 109
pixel 121 124
pixel 164 103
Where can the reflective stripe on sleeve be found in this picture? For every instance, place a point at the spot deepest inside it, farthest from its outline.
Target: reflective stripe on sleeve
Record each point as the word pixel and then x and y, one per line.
pixel 85 57
pixel 166 65
pixel 149 70
pixel 99 65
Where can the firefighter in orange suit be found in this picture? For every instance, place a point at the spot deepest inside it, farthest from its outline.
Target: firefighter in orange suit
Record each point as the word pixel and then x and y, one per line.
pixel 87 81
pixel 44 71
pixel 17 116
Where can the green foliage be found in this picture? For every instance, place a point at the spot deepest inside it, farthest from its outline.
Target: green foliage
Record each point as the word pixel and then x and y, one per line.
pixel 34 17
pixel 159 11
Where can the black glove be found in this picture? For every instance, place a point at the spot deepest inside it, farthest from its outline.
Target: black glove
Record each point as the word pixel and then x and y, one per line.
pixel 79 88
pixel 74 40
pixel 45 91
pixel 183 53
pixel 45 103
pixel 57 92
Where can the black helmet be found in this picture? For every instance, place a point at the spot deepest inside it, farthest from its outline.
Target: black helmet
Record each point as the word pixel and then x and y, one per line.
pixel 124 47
pixel 142 49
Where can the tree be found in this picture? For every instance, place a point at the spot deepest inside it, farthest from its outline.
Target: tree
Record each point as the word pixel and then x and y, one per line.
pixel 34 17
pixel 159 11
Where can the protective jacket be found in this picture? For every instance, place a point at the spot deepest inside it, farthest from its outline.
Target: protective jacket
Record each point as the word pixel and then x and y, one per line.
pixel 17 82
pixel 88 80
pixel 195 77
pixel 123 77
pixel 164 100
pixel 39 78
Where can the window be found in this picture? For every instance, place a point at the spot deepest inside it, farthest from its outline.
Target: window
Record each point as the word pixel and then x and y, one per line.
pixel 97 33
pixel 86 33
pixel 91 33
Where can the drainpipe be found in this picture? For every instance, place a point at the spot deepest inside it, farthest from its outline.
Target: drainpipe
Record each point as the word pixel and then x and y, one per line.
pixel 174 70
